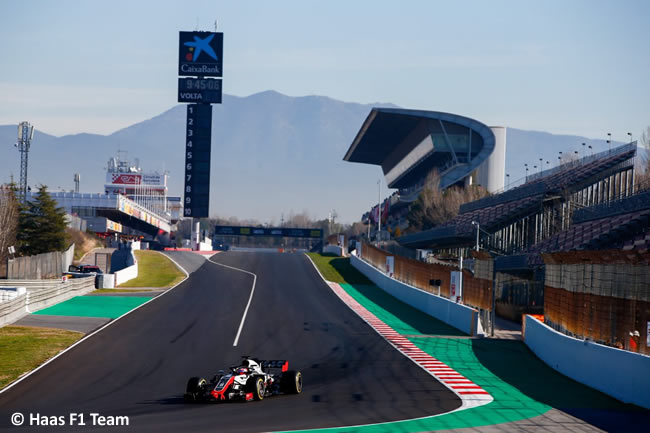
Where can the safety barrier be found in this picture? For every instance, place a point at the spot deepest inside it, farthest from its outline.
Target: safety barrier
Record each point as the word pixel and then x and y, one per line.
pixel 477 291
pixel 41 294
pixel 459 316
pixel 128 273
pixel 616 372
pixel 600 295
pixel 46 265
pixel 333 249
pixel 10 311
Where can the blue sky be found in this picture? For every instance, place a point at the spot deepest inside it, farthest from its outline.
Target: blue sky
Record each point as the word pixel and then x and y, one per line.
pixel 578 67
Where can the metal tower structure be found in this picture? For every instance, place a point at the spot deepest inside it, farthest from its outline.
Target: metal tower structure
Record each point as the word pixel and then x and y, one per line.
pixel 77 180
pixel 25 135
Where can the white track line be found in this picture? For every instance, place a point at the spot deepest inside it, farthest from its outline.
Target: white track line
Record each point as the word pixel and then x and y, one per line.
pixel 250 299
pixel 11 385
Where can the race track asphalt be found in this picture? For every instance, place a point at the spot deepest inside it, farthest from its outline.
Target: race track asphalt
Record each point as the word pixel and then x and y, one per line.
pixel 138 366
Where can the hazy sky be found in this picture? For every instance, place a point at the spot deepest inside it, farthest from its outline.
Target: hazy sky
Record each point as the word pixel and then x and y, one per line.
pixel 577 67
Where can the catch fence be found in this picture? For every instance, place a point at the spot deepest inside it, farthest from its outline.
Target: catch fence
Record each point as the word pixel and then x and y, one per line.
pixel 477 292
pixel 600 295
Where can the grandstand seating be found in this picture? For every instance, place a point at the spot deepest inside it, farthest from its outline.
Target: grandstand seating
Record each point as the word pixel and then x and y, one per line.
pixel 496 212
pixel 640 242
pixel 569 176
pixel 594 233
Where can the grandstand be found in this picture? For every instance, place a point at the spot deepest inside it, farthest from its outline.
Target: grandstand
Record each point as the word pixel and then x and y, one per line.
pixel 570 243
pixel 409 144
pixel 540 213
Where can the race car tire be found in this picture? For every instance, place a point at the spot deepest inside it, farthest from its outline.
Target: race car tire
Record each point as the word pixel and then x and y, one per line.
pixel 255 385
pixel 194 390
pixel 291 382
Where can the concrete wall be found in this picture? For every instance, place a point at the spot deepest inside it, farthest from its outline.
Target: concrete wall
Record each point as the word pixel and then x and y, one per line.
pixel 205 246
pixel 459 316
pixel 333 249
pixel 619 373
pixel 66 258
pixel 41 266
pixel 128 273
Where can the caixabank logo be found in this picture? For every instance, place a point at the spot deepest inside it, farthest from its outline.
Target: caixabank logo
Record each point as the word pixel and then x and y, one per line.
pixel 200 54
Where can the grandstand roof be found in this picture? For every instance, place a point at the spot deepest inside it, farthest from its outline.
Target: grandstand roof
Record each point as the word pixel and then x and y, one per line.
pixel 407 144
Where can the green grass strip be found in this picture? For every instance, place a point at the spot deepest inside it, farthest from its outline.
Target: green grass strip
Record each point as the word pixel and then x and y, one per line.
pixel 24 348
pixel 95 306
pixel 154 270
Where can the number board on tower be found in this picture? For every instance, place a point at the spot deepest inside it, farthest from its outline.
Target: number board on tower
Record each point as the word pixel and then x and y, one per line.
pixel 197 160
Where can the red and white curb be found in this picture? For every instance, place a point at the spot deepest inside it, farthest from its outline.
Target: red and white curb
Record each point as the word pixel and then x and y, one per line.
pixel 471 394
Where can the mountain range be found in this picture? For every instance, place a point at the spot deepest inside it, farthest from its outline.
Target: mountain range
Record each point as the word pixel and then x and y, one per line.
pixel 272 155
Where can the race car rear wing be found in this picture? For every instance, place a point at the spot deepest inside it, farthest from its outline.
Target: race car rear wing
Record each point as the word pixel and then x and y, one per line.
pixel 283 364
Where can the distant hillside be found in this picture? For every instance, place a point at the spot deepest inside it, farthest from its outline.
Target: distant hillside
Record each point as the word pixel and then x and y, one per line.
pixel 272 154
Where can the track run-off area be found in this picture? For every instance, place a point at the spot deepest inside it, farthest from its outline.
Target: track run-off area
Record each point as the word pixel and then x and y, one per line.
pixel 358 349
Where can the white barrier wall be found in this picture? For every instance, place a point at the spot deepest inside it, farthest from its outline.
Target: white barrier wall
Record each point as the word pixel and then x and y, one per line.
pixel 459 316
pixel 205 246
pixel 128 273
pixel 619 373
pixel 333 249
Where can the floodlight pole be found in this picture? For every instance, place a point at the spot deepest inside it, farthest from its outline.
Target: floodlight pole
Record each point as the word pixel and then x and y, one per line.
pixel 25 135
pixel 609 141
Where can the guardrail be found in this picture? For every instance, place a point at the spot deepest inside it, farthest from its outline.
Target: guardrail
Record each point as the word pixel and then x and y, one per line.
pixel 633 203
pixel 41 294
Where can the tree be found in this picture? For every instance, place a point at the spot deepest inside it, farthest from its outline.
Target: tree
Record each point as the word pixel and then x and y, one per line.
pixel 642 166
pixel 645 138
pixel 8 220
pixel 434 207
pixel 41 225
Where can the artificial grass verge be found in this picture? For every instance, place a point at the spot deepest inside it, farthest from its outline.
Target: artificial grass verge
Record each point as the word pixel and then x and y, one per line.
pixel 23 348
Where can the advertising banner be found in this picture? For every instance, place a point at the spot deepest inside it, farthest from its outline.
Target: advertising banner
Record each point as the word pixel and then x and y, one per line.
pixel 200 54
pixel 454 286
pixel 268 231
pixel 135 179
pixel 390 266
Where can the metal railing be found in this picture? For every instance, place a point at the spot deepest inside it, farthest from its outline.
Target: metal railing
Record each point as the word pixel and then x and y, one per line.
pixel 633 203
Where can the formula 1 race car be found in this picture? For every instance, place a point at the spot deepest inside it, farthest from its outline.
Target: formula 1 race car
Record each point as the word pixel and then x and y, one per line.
pixel 251 380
